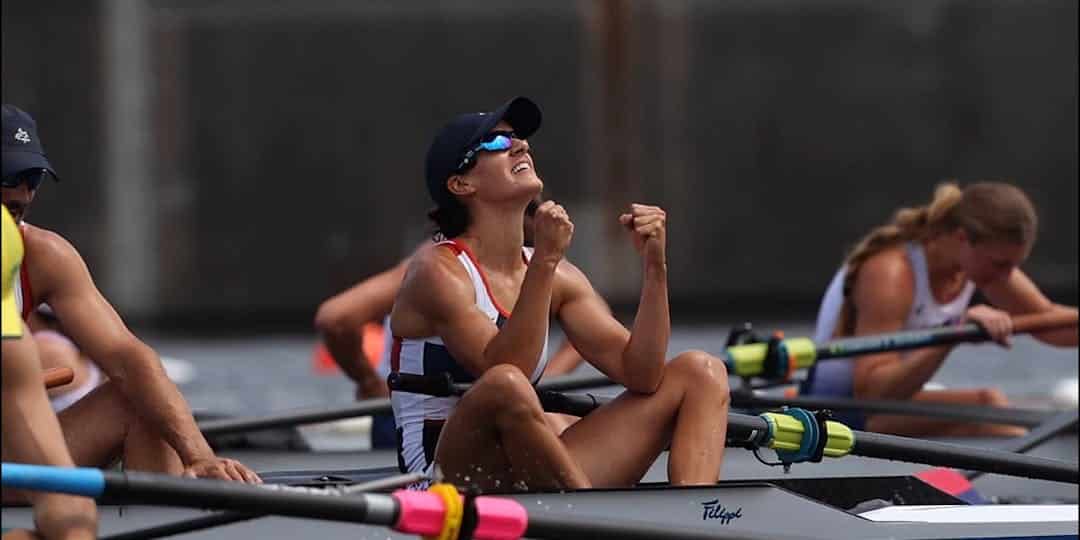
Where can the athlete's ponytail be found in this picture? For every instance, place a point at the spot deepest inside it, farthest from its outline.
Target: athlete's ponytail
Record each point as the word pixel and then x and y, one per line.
pixel 986 211
pixel 907 224
pixel 451 219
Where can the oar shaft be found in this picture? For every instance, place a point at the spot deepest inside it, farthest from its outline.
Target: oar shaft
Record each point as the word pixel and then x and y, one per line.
pixel 294 418
pixel 868 444
pixel 779 359
pixel 171 529
pixel 1044 432
pixel 878 445
pixel 968 413
pixel 914 339
pixel 900 341
pixel 158 489
pixel 227 517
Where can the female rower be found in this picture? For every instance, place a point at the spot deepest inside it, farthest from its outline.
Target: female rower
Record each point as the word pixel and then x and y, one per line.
pixel 449 318
pixel 920 271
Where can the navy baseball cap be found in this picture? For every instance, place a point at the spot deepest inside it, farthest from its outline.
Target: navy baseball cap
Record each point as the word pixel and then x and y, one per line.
pixel 21 144
pixel 464 132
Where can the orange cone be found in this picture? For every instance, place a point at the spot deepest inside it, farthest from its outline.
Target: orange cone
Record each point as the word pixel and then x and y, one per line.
pixel 372 333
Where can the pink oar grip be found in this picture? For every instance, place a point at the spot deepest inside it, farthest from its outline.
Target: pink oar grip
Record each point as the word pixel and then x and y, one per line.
pixel 419 512
pixel 422 513
pixel 500 519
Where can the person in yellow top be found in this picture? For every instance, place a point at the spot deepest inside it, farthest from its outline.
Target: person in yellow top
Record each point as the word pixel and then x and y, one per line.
pixel 139 416
pixel 31 432
pixel 12 257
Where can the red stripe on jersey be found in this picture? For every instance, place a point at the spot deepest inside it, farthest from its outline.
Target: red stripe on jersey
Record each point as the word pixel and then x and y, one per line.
pixel 483 277
pixel 24 282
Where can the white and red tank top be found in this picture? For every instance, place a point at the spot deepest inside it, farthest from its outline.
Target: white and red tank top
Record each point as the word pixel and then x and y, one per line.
pixel 428 356
pixel 24 295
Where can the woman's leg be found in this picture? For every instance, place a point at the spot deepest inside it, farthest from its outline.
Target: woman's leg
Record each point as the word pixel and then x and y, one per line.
pixel 559 422
pixel 916 426
pixel 617 443
pixel 497 438
pixel 103 426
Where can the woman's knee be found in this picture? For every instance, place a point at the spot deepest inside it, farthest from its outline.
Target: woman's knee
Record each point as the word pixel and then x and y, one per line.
pixel 506 390
pixel 704 369
pixel 503 381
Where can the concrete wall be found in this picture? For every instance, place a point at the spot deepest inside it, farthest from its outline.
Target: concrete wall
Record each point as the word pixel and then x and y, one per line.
pixel 286 141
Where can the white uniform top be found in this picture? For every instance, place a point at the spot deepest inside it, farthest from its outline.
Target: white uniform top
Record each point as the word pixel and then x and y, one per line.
pixel 925 312
pixel 23 294
pixel 94 376
pixel 383 367
pixel 428 356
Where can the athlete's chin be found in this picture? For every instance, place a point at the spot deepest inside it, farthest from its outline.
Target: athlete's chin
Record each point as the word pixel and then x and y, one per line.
pixel 532 181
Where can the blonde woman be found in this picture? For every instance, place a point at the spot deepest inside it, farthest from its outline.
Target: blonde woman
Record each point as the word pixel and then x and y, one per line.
pixel 921 270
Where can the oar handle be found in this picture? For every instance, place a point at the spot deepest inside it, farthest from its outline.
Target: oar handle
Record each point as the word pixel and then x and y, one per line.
pixel 58 376
pixel 573 404
pixel 778 360
pixel 432 385
pixel 1037 322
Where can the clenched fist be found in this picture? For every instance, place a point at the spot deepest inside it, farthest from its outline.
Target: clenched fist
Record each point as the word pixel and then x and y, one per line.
pixel 552 231
pixel 648 229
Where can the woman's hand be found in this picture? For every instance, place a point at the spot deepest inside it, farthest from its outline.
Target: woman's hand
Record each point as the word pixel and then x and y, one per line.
pixel 552 231
pixel 648 229
pixel 998 324
pixel 222 469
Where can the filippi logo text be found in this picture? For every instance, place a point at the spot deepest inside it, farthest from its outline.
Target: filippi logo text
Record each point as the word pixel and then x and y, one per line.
pixel 714 510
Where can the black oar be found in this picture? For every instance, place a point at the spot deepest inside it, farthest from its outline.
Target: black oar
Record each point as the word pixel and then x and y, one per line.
pixel 969 413
pixel 361 408
pixel 781 357
pixel 295 418
pixel 420 513
pixel 1048 430
pixel 225 518
pixel 941 454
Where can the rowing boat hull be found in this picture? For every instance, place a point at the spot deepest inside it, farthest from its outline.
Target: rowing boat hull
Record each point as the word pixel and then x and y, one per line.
pixel 728 508
pixel 791 505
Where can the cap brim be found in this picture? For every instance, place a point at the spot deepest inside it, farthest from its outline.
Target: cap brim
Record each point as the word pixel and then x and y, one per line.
pixel 15 161
pixel 521 113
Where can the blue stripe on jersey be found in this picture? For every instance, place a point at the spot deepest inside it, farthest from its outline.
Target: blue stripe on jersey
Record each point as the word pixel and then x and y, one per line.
pixel 437 360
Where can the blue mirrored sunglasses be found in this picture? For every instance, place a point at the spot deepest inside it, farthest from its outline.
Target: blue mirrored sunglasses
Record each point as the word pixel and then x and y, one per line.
pixel 32 177
pixel 496 141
